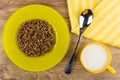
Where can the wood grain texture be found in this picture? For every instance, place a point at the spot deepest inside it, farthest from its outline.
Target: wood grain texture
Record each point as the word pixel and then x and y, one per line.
pixel 9 71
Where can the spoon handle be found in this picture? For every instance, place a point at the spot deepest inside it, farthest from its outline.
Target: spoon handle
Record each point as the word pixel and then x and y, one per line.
pixel 72 58
pixel 70 63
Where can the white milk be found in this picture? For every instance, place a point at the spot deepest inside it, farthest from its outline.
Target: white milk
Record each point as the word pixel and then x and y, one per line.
pixel 95 57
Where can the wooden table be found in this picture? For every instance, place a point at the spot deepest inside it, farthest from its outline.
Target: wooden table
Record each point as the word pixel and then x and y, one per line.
pixel 9 71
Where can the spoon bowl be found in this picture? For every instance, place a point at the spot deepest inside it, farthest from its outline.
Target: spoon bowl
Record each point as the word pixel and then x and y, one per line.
pixel 85 19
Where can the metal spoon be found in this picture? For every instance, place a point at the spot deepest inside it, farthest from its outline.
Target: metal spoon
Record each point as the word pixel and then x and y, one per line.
pixel 85 19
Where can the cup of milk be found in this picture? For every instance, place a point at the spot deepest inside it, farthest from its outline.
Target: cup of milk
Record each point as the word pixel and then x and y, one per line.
pixel 96 57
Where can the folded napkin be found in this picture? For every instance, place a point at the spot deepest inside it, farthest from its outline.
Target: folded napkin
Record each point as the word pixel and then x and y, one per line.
pixel 106 24
pixel 75 7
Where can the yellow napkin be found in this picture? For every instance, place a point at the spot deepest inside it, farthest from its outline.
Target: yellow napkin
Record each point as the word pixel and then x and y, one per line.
pixel 75 7
pixel 106 23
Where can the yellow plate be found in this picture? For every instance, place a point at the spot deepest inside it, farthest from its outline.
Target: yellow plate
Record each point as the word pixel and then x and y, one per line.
pixel 43 62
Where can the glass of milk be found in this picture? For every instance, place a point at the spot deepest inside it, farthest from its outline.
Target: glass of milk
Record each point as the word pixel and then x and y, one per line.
pixel 96 57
